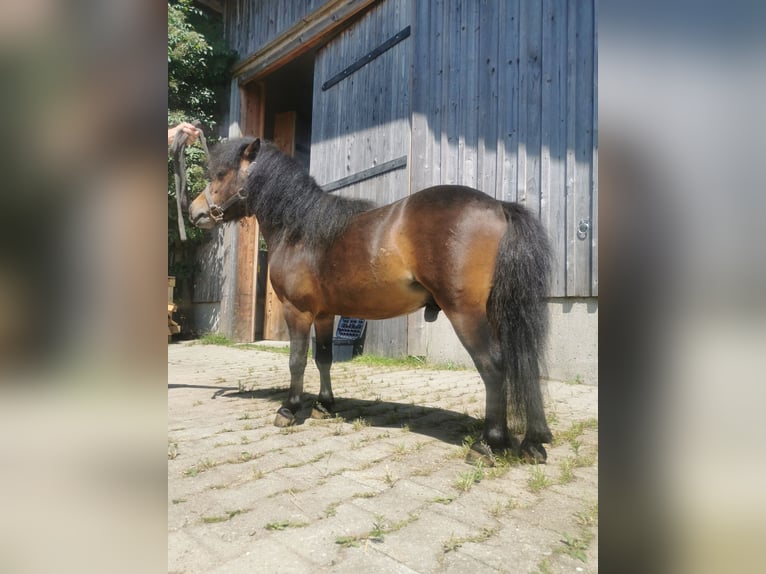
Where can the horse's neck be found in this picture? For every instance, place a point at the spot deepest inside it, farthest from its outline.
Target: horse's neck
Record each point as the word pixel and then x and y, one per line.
pixel 271 211
pixel 283 191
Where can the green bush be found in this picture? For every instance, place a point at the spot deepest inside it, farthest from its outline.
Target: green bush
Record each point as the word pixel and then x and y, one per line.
pixel 198 79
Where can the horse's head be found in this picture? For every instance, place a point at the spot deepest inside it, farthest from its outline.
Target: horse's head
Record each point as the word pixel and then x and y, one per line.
pixel 224 197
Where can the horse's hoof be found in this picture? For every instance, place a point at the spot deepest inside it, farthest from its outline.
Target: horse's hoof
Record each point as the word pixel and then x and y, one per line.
pixel 284 418
pixel 320 412
pixel 480 453
pixel 533 452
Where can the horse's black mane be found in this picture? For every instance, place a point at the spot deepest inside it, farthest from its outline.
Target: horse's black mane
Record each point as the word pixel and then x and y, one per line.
pixel 288 203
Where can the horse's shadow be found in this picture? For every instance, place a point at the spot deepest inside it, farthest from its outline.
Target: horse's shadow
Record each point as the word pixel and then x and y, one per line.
pixel 444 425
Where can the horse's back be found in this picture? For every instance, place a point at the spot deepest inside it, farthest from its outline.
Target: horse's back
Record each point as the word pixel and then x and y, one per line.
pixel 452 213
pixel 437 245
pixel 441 196
pixel 452 234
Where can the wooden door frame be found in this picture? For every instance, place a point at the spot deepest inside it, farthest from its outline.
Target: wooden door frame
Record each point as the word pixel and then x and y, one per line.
pixel 305 35
pixel 252 114
pixel 253 122
pixel 274 326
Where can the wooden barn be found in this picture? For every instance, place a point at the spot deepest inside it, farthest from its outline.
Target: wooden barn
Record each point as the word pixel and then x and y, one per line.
pixel 381 98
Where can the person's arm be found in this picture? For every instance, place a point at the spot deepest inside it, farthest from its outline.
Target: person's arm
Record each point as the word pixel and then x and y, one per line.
pixel 185 127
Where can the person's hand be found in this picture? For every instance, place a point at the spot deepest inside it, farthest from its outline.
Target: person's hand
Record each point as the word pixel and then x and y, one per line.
pixel 186 128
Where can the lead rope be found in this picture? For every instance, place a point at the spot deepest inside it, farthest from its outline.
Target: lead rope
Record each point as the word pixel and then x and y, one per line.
pixel 179 173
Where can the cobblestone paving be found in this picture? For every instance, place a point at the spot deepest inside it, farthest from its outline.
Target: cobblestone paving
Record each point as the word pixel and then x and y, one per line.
pixel 382 487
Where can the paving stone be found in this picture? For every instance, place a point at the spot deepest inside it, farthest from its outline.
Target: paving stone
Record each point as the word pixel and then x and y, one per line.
pixel 264 499
pixel 419 544
pixel 370 561
pixel 266 556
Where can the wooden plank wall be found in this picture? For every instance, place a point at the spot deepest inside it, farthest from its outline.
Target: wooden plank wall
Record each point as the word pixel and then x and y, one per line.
pixel 496 94
pixel 364 121
pixel 249 24
pixel 504 100
pixel 213 289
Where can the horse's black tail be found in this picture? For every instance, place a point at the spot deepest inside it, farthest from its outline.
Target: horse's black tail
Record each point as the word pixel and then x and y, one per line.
pixel 517 312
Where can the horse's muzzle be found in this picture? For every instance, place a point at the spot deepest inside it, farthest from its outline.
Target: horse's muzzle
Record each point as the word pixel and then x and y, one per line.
pixel 199 212
pixel 200 217
pixel 204 223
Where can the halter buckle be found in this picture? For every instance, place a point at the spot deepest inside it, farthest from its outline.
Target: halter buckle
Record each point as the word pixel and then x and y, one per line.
pixel 216 213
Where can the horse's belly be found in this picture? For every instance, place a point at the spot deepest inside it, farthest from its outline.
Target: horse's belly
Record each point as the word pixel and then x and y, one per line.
pixel 379 301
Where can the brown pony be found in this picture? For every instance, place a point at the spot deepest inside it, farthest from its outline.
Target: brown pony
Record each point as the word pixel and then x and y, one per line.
pixel 484 262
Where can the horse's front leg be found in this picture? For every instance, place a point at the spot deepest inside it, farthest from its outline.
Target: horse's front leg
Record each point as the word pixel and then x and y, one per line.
pixel 299 326
pixel 323 327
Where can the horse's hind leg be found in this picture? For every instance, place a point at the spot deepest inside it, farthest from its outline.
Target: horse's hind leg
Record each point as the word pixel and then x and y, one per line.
pixel 473 331
pixel 496 436
pixel 299 326
pixel 537 433
pixel 323 327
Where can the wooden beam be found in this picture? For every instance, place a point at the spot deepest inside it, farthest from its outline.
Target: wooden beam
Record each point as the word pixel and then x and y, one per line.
pixel 306 34
pixel 274 325
pixel 367 58
pixel 244 303
pixel 253 109
pixel 382 168
pixel 284 132
pixel 252 121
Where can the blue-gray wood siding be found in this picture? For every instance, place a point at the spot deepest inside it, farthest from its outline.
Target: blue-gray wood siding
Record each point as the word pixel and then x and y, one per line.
pixel 504 100
pixel 501 96
pixel 251 24
pixel 495 94
pixel 364 121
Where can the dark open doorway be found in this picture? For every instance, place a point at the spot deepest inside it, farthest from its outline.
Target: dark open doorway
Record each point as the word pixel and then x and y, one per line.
pixel 290 89
pixel 288 104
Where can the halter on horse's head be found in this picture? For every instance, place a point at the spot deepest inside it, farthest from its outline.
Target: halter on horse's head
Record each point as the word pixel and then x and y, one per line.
pixel 224 197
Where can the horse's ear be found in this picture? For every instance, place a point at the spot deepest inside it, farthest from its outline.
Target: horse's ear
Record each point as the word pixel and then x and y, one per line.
pixel 252 150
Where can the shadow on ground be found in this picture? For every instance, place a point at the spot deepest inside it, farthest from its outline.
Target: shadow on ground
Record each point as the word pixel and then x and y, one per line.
pixel 447 426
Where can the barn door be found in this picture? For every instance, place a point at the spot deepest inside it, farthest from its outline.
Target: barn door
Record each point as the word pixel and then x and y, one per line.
pixel 360 139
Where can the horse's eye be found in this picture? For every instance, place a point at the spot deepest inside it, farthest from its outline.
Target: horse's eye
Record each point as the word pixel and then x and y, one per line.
pixel 220 175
